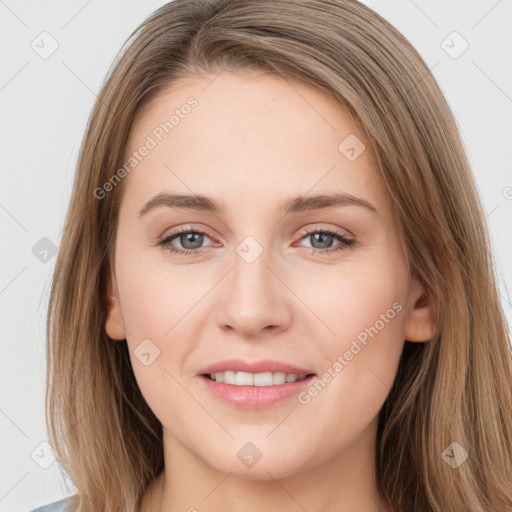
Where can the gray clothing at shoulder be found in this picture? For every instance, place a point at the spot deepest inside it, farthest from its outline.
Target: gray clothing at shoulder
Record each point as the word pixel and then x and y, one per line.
pixel 56 506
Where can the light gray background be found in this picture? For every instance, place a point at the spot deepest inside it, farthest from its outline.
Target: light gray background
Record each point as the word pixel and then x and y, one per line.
pixel 45 104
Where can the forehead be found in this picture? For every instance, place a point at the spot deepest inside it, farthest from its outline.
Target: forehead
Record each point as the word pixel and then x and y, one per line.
pixel 250 138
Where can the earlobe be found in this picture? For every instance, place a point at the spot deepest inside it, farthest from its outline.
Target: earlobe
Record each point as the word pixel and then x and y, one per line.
pixel 420 324
pixel 114 324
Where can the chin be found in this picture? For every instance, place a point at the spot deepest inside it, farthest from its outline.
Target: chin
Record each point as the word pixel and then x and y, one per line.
pixel 272 464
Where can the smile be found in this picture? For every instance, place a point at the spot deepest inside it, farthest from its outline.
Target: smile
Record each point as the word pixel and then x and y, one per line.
pixel 255 379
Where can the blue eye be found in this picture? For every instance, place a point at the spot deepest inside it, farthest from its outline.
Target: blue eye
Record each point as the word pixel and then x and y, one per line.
pixel 187 237
pixel 192 241
pixel 325 237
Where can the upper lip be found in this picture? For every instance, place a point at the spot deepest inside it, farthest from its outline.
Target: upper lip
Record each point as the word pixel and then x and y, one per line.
pixel 266 365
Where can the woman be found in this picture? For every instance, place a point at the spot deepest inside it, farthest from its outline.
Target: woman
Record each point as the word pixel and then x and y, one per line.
pixel 275 285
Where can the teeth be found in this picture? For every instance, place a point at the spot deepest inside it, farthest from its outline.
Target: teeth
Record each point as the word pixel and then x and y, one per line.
pixel 255 379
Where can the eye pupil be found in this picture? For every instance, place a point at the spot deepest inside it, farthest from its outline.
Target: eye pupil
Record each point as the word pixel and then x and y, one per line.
pixel 322 241
pixel 189 237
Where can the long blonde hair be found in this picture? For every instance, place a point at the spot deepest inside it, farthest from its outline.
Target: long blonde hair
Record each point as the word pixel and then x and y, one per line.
pixel 454 388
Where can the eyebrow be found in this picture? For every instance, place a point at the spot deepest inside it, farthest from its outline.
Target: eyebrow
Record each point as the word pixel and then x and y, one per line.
pixel 292 205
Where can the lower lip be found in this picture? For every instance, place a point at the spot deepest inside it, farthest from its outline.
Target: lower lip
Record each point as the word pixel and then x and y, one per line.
pixel 255 397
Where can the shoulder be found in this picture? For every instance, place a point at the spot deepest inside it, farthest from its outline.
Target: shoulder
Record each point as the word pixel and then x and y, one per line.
pixel 57 506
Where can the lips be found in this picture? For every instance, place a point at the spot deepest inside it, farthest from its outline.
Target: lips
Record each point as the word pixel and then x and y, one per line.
pixel 254 384
pixel 267 365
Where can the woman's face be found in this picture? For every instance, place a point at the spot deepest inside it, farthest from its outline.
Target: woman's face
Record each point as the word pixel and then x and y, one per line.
pixel 312 288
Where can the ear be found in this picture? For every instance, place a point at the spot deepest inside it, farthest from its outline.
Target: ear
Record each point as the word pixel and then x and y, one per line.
pixel 114 324
pixel 420 324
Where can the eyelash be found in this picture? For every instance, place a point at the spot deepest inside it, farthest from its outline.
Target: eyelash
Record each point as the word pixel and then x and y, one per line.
pixel 166 240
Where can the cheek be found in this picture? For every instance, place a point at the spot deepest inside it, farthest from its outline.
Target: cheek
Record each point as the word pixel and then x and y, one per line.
pixel 161 310
pixel 160 298
pixel 356 297
pixel 359 361
pixel 363 305
pixel 160 337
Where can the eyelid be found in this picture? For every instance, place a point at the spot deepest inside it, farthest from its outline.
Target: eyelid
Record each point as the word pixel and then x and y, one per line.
pixel 339 231
pixel 186 228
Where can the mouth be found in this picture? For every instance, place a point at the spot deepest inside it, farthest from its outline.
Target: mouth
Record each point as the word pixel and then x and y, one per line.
pixel 256 379
pixel 254 384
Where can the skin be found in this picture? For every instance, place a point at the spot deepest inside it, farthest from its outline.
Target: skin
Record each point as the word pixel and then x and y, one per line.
pixel 253 141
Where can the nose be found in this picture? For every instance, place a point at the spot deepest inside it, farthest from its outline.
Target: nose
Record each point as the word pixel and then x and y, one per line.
pixel 256 301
